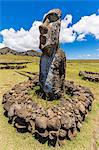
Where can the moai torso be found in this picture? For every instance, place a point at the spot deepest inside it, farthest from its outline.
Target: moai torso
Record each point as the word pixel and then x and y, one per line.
pixel 53 60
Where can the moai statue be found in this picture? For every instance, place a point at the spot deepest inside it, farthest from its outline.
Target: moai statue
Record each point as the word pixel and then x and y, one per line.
pixel 53 60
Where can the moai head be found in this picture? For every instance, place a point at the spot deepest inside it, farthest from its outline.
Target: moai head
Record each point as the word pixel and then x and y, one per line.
pixel 49 32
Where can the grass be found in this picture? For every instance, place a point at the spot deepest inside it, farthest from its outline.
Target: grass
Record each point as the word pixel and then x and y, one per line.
pixel 11 140
pixel 16 58
pixel 42 102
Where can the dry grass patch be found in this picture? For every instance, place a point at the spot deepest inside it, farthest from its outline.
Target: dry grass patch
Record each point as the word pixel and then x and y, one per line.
pixel 11 140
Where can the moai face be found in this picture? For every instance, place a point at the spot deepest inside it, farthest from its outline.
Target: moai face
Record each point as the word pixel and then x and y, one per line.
pixel 49 32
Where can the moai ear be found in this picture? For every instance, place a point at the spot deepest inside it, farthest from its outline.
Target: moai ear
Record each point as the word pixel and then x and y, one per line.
pixel 43 39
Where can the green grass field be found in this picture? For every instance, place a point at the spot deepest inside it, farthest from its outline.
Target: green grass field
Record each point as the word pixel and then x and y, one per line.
pixel 87 139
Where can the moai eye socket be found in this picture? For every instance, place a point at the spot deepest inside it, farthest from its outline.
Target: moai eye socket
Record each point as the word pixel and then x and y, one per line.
pixel 53 17
pixel 42 39
pixel 43 29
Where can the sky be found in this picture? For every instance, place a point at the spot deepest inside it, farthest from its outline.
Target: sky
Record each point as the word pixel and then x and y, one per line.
pixel 79 36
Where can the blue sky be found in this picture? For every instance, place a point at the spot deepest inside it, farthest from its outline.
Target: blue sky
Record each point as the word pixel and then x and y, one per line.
pixel 21 14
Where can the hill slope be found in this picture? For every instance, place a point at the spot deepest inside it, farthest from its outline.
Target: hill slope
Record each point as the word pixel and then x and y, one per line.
pixel 7 50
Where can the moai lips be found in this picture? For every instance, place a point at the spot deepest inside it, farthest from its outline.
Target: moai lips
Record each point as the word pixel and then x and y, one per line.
pixel 53 60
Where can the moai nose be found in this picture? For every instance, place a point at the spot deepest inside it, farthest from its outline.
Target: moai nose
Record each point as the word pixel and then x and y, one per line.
pixel 43 29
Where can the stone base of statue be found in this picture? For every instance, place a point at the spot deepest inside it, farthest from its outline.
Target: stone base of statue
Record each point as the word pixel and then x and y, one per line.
pixel 90 76
pixel 52 121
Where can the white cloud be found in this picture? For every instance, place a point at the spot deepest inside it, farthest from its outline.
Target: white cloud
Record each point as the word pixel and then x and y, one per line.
pixel 66 21
pixel 22 39
pixel 66 33
pixel 26 40
pixel 81 37
pixel 2 45
pixel 88 25
pixel 97 49
pixel 86 55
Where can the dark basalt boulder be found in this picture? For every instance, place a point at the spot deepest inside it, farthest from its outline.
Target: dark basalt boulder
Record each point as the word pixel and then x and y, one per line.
pixel 62 134
pixel 41 122
pixel 54 123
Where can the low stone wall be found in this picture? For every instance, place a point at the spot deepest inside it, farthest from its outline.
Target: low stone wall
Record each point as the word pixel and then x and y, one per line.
pixel 54 124
pixel 15 63
pixel 13 67
pixel 91 76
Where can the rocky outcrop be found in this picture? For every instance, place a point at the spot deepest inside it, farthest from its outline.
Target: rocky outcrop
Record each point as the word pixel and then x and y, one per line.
pixel 88 75
pixel 53 60
pixel 55 123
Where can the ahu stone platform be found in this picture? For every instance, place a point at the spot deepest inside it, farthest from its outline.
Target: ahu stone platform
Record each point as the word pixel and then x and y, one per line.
pixel 53 124
pixel 88 75
pixel 13 67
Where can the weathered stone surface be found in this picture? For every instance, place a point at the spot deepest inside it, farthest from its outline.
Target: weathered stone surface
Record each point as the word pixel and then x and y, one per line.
pixel 54 123
pixel 41 122
pixel 53 60
pixel 62 133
